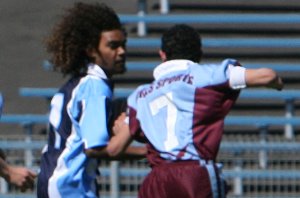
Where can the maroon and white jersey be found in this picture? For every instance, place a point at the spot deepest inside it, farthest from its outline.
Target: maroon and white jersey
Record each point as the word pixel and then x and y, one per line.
pixel 181 113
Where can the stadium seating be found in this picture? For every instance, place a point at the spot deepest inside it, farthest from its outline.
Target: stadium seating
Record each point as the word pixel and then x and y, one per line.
pixel 232 147
pixel 260 151
pixel 260 147
pixel 213 18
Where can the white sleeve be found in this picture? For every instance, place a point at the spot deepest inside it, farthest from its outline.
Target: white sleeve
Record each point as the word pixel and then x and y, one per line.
pixel 237 77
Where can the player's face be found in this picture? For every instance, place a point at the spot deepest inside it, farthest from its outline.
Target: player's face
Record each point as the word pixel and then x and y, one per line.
pixel 111 50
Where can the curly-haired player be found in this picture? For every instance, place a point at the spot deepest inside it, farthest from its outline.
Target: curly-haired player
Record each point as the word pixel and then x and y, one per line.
pixel 181 116
pixel 88 44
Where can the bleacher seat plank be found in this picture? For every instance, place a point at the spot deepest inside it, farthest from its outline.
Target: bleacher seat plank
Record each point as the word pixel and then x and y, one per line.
pixel 24 118
pixel 148 66
pixel 259 42
pixel 124 92
pixel 233 18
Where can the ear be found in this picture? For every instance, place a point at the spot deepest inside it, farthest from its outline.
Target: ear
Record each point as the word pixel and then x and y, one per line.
pixel 91 52
pixel 162 55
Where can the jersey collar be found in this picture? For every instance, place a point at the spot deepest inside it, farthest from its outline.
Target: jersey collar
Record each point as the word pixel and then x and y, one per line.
pixel 96 70
pixel 171 66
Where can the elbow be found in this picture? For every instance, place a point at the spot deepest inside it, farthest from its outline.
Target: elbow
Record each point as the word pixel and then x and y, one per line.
pixel 107 151
pixel 113 151
pixel 95 152
pixel 89 153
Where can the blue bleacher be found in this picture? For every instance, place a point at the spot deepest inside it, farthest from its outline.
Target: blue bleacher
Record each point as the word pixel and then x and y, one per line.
pixel 148 66
pixel 262 148
pixel 124 92
pixel 215 18
pixel 266 42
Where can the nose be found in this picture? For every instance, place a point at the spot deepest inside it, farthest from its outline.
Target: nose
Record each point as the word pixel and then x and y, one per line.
pixel 121 50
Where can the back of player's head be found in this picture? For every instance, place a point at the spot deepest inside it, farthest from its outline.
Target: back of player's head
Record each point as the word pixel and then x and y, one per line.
pixel 181 42
pixel 79 28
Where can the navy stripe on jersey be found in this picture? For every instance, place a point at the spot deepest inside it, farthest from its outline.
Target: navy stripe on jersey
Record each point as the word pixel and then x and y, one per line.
pixel 78 120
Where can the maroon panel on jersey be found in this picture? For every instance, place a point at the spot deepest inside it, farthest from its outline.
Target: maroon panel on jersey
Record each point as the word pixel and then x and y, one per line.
pixel 212 104
pixel 135 127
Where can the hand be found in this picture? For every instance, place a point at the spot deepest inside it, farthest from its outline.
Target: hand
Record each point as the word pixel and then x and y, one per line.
pixel 21 177
pixel 120 124
pixel 276 84
pixel 279 84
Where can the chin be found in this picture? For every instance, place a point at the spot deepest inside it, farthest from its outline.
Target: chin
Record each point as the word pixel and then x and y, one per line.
pixel 120 70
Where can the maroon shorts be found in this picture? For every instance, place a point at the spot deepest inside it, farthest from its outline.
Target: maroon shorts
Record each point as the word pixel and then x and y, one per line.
pixel 177 179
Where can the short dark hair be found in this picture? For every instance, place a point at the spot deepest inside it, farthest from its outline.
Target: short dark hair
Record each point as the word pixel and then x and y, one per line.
pixel 79 29
pixel 182 42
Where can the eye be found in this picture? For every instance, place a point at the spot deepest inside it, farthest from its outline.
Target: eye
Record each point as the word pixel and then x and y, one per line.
pixel 115 44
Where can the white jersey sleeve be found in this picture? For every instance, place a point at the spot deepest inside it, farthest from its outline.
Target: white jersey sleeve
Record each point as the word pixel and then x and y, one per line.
pixel 237 78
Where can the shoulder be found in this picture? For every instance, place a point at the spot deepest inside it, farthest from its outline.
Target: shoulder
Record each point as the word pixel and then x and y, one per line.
pixel 224 67
pixel 230 62
pixel 84 87
pixel 93 86
pixel 217 66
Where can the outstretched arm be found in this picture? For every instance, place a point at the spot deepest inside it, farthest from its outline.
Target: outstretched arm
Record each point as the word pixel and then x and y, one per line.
pixel 263 77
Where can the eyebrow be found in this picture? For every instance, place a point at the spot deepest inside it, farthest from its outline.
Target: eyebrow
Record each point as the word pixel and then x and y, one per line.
pixel 117 42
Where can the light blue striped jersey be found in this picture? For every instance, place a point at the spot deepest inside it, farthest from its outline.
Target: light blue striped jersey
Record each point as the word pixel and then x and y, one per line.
pixel 78 120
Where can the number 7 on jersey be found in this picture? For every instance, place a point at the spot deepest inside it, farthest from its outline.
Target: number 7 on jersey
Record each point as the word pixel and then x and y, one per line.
pixel 156 106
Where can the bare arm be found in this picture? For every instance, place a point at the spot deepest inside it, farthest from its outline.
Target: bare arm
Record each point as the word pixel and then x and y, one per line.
pixel 118 146
pixel 128 152
pixel 263 77
pixel 120 142
pixel 19 176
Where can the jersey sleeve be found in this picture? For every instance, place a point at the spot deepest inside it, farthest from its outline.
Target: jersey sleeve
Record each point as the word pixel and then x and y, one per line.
pixel 89 112
pixel 235 73
pixel 93 124
pixel 237 77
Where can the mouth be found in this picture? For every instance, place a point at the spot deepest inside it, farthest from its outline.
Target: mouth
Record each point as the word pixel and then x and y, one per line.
pixel 121 66
pixel 121 62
